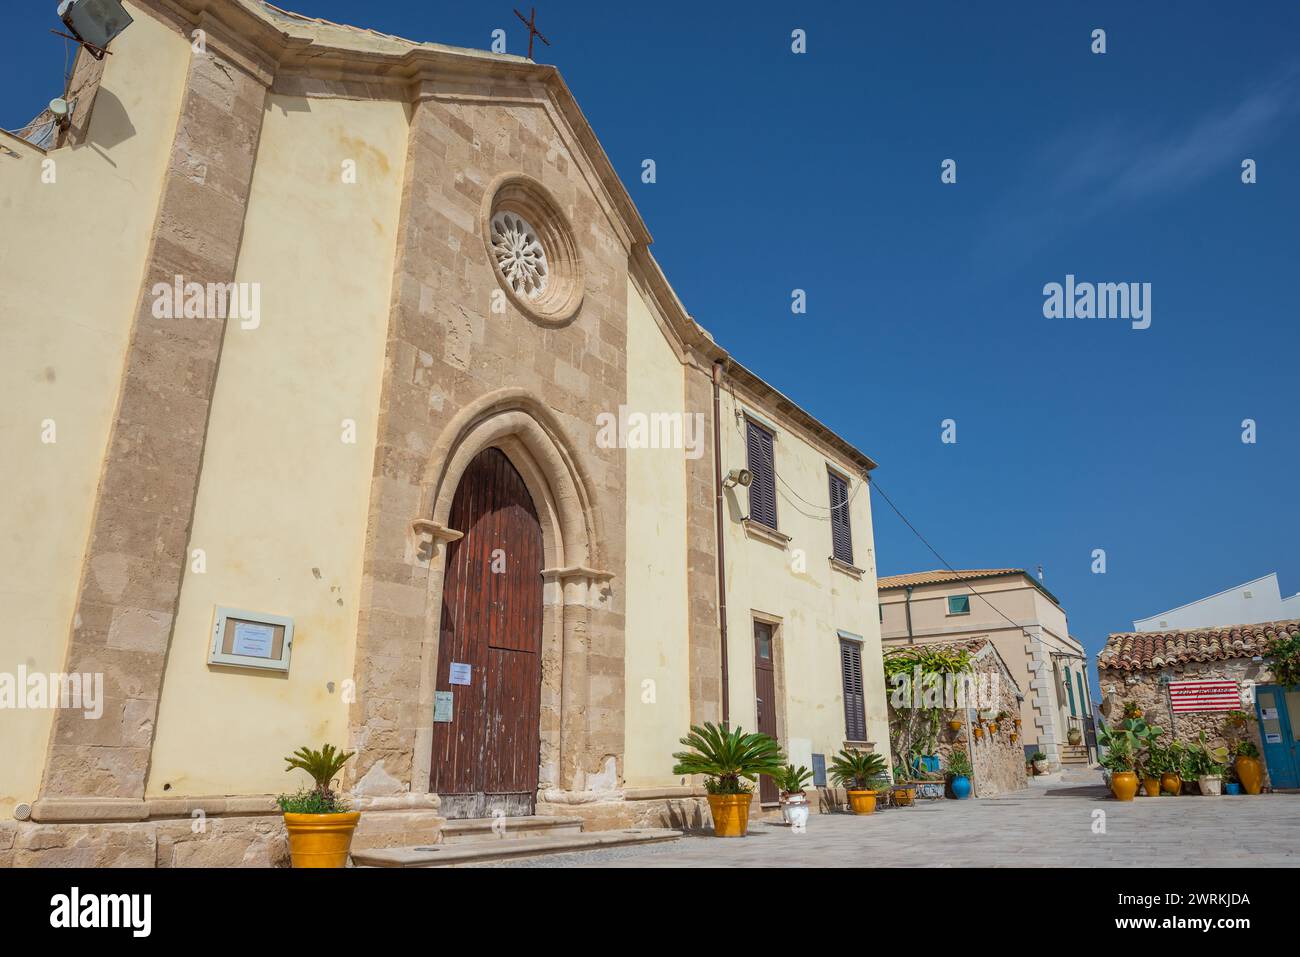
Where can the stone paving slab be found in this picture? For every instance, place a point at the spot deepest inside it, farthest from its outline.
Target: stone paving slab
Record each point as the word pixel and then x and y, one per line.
pixel 1049 825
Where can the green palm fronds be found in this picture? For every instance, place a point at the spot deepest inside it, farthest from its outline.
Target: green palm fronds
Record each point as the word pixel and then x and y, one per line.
pixel 323 765
pixel 725 757
pixel 859 770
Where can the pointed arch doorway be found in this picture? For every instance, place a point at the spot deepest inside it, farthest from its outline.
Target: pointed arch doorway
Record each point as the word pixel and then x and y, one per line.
pixel 485 758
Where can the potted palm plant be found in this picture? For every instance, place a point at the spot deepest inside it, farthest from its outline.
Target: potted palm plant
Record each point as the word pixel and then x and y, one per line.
pixel 730 762
pixel 959 774
pixel 1171 777
pixel 1039 760
pixel 861 774
pixel 319 821
pixel 794 803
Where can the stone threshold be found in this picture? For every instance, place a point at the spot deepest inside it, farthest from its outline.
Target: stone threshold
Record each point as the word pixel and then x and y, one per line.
pixel 104 810
pixel 451 855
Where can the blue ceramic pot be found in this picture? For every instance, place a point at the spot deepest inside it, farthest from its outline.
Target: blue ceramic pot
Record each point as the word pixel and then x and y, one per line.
pixel 961 787
pixel 1232 787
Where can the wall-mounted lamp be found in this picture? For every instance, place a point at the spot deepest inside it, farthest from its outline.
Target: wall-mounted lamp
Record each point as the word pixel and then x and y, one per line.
pixel 742 477
pixel 59 109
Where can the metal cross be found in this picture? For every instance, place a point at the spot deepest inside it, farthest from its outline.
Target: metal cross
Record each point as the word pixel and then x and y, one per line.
pixel 531 24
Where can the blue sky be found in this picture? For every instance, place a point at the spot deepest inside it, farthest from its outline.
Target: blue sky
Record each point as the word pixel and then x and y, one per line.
pixel 821 171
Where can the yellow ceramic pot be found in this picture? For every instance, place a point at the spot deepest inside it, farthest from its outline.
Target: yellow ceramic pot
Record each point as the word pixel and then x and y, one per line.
pixel 903 796
pixel 1250 773
pixel 321 840
pixel 862 802
pixel 730 814
pixel 1151 786
pixel 954 725
pixel 993 728
pixel 1123 784
pixel 1171 783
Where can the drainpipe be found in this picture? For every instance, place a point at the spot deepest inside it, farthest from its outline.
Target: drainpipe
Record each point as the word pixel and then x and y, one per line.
pixel 722 561
pixel 907 589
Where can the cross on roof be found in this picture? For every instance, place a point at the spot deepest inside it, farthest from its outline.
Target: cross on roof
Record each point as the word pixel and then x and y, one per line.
pixel 531 24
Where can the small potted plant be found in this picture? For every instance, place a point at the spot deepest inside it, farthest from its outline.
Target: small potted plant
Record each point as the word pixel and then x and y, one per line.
pixel 1119 762
pixel 1039 760
pixel 1246 763
pixel 1171 778
pixel 794 803
pixel 319 821
pixel 1206 763
pixel 1131 710
pixel 1015 736
pixel 978 731
pixel 954 725
pixel 959 774
pixel 904 790
pixel 728 759
pixel 1150 765
pixel 1231 783
pixel 860 773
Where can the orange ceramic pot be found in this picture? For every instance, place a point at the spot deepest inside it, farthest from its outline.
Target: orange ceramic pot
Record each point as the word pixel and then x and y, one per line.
pixel 1151 786
pixel 1014 737
pixel 730 814
pixel 321 840
pixel 1124 785
pixel 1250 773
pixel 993 728
pixel 979 733
pixel 1171 783
pixel 903 796
pixel 862 802
pixel 954 725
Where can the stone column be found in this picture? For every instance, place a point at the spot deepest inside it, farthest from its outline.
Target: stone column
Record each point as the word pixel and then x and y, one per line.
pixel 136 556
pixel 705 664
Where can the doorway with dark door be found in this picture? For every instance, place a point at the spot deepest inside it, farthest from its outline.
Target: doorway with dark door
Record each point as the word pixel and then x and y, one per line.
pixel 765 694
pixel 487 720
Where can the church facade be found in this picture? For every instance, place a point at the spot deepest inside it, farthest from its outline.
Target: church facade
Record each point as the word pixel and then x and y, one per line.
pixel 350 405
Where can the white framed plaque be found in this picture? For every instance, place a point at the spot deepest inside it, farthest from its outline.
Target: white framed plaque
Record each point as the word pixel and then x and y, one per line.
pixel 460 673
pixel 249 639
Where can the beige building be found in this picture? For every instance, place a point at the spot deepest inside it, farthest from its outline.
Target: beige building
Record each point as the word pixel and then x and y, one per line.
pixel 347 403
pixel 1024 621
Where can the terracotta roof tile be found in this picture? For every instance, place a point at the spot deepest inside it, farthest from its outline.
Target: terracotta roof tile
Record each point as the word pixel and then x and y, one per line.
pixel 1147 650
pixel 943 575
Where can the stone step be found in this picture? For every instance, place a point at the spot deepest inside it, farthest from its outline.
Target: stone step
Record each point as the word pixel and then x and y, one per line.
pixel 507 828
pixel 474 852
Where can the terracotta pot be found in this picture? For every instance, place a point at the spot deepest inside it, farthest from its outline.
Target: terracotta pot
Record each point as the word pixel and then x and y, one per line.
pixel 979 733
pixel 1123 784
pixel 993 728
pixel 862 802
pixel 1018 722
pixel 730 814
pixel 1171 783
pixel 321 840
pixel 1251 774
pixel 903 796
pixel 1151 786
pixel 954 725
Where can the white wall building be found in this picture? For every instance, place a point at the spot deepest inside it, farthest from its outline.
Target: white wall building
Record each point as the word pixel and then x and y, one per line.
pixel 1248 604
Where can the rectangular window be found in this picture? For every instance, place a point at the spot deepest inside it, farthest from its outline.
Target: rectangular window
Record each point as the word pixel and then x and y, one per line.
pixel 762 490
pixel 959 604
pixel 841 535
pixel 855 714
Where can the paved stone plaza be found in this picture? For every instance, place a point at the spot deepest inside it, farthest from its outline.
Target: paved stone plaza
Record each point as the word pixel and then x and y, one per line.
pixel 1049 825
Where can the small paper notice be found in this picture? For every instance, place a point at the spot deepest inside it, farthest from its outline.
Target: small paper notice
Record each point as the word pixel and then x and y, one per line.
pixel 460 673
pixel 253 640
pixel 442 702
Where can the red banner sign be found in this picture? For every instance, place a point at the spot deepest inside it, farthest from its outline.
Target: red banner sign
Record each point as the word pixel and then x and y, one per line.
pixel 1211 694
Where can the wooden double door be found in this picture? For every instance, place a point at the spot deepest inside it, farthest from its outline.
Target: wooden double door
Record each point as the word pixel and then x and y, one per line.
pixel 486 744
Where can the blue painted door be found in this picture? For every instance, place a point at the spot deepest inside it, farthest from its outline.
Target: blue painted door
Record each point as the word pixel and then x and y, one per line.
pixel 1278 710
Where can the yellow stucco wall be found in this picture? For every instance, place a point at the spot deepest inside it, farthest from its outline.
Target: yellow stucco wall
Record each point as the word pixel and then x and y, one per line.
pixel 657 659
pixel 282 503
pixel 796 585
pixel 70 267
